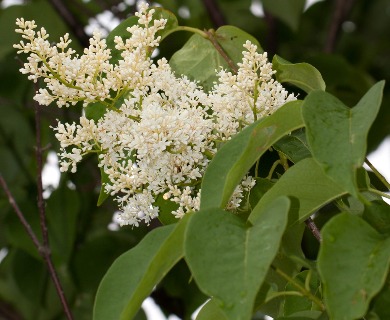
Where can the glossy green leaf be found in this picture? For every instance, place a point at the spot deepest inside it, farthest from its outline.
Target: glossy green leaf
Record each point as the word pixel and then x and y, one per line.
pixel 235 257
pixel 337 135
pixel 211 311
pixel 353 263
pixel 301 75
pixel 237 156
pixel 132 277
pixel 307 184
pixel 288 11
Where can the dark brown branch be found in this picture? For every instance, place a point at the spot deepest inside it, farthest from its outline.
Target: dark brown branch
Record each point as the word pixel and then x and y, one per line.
pixel 341 10
pixel 214 13
pixel 313 228
pixel 46 253
pixel 271 37
pixel 74 25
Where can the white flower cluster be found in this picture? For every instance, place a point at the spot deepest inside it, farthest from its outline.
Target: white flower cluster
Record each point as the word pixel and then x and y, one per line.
pixel 160 139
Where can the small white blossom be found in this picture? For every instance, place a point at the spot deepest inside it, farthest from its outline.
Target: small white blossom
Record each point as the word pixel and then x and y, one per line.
pixel 160 140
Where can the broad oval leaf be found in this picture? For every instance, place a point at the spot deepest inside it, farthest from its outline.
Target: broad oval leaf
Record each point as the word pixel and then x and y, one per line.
pixel 237 156
pixel 308 184
pixel 230 260
pixel 301 75
pixel 211 311
pixel 337 135
pixel 132 276
pixel 353 263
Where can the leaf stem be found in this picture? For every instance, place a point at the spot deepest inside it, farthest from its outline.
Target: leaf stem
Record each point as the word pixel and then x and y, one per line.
pixel 377 173
pixel 301 288
pixel 380 193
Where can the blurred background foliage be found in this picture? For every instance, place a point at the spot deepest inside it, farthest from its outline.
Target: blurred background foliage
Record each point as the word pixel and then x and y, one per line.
pixel 347 40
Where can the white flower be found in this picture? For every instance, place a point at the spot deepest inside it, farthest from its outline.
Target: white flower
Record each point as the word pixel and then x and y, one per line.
pixel 159 141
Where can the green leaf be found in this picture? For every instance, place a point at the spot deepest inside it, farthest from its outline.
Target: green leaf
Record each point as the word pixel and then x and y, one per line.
pixel 165 210
pixel 308 185
pixel 198 58
pixel 289 11
pixel 211 311
pixel 62 212
pixel 377 214
pixel 230 260
pixel 237 156
pixel 95 111
pixel 353 263
pixel 103 180
pixel 232 40
pixel 301 75
pixel 294 146
pixel 337 134
pixel 132 277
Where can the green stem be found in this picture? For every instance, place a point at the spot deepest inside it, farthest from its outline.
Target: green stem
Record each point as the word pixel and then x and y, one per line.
pixel 377 173
pixel 283 161
pixel 380 193
pixel 283 293
pixel 269 177
pixel 301 288
pixel 186 28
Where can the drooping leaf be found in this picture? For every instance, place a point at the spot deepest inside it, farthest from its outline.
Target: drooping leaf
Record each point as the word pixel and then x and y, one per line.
pixel 234 258
pixel 337 135
pixel 301 75
pixel 288 11
pixel 132 277
pixel 307 184
pixel 353 263
pixel 237 156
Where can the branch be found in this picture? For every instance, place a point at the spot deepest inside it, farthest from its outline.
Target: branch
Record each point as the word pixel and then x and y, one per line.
pixel 215 13
pixel 341 11
pixel 46 253
pixel 313 228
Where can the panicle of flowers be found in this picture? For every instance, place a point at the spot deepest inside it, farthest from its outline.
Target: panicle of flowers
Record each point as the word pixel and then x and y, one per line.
pixel 250 94
pixel 158 142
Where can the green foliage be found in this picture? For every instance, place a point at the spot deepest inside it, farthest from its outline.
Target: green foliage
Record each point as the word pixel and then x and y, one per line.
pixel 306 158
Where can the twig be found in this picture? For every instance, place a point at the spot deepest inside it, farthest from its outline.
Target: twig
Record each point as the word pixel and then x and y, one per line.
pixel 377 173
pixel 215 13
pixel 313 228
pixel 20 215
pixel 341 11
pixel 46 253
pixel 301 288
pixel 217 46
